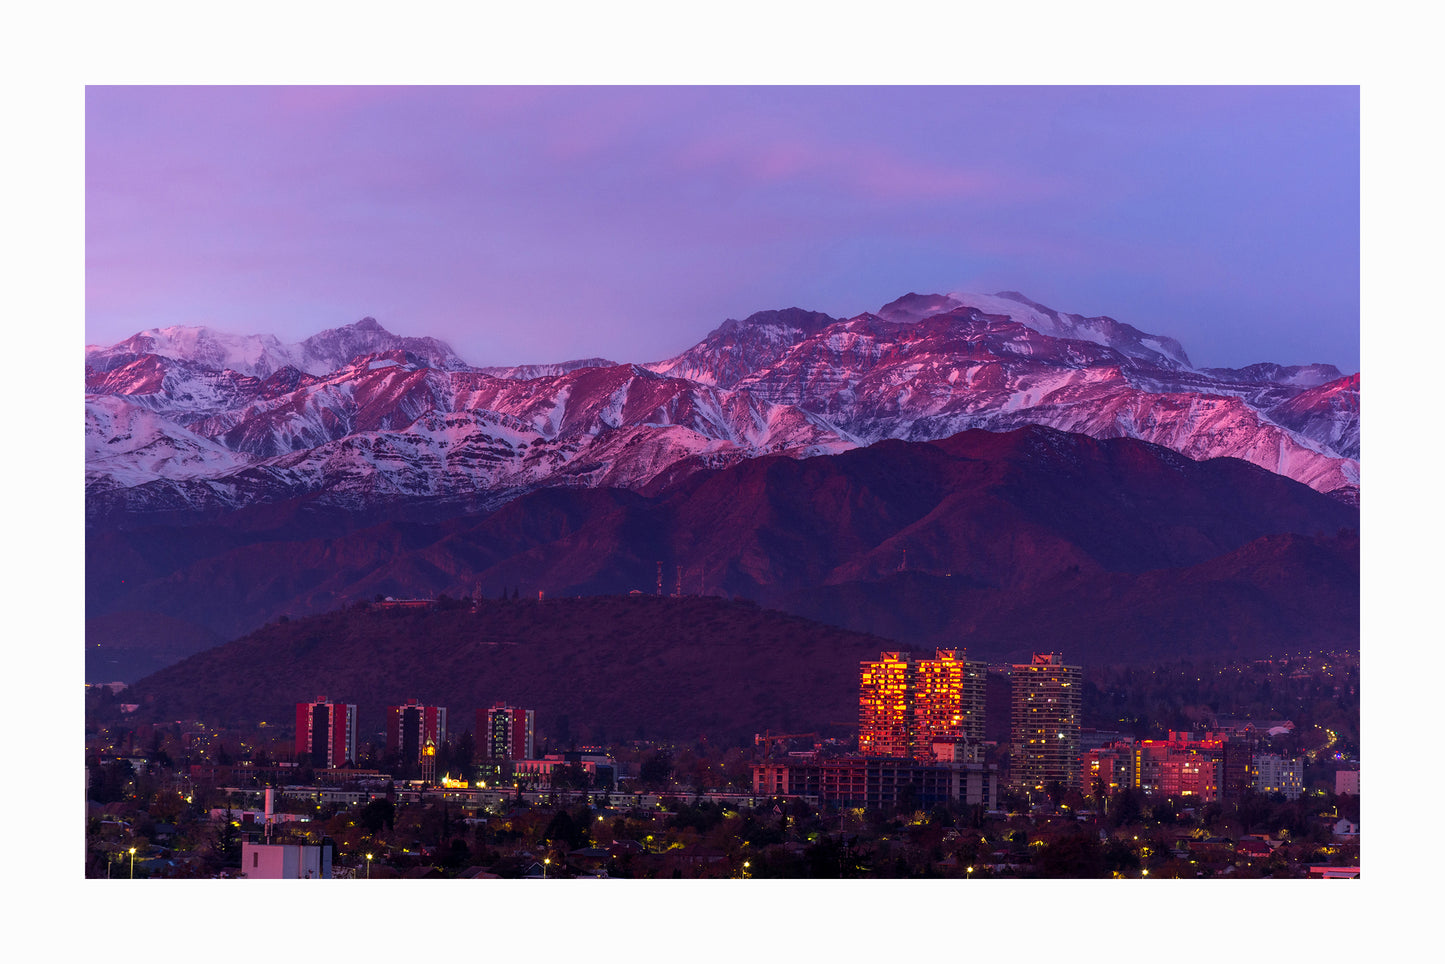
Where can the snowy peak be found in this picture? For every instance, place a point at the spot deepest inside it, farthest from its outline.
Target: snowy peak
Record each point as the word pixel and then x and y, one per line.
pixel 1328 413
pixel 1268 373
pixel 330 350
pixel 1156 350
pixel 261 355
pixel 529 372
pixel 182 417
pixel 736 349
pixel 257 355
pixel 777 323
pixel 914 307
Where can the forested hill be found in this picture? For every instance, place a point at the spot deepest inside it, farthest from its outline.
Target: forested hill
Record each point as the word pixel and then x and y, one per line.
pixel 596 669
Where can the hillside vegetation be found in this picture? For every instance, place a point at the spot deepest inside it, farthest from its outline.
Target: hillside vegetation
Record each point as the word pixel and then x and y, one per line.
pixel 596 669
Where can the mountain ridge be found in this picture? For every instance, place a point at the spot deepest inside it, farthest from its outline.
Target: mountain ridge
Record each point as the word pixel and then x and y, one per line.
pixel 396 417
pixel 994 512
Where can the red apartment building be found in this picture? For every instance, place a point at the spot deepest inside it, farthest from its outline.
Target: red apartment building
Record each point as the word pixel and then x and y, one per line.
pixel 506 733
pixel 412 726
pixel 326 732
pixel 1208 768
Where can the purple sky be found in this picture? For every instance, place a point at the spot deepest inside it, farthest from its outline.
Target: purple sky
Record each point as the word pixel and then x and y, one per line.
pixel 541 224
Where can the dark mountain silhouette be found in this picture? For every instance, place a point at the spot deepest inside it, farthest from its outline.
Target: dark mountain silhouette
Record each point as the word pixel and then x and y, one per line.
pixel 995 518
pixel 1278 594
pixel 608 668
pixel 594 669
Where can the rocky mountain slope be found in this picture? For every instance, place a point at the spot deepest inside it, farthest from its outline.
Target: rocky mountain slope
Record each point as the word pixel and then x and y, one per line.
pixel 983 445
pixel 180 420
pixel 928 366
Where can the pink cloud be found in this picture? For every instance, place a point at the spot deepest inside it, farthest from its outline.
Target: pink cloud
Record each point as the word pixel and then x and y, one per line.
pixel 868 172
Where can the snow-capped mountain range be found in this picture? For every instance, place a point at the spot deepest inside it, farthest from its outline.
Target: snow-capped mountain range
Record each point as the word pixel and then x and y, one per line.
pixel 188 417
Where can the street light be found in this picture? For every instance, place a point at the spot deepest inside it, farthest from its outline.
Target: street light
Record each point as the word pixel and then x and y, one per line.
pixel 546 862
pixel 132 863
pixel 368 866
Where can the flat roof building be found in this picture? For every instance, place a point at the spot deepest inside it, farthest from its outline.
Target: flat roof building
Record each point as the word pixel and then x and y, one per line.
pixel 506 733
pixel 286 861
pixel 1044 732
pixel 885 705
pixel 411 726
pixel 905 704
pixel 879 782
pixel 326 732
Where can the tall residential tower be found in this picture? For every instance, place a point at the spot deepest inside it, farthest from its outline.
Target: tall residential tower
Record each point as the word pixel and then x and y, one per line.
pixel 411 726
pixel 326 732
pixel 1044 733
pixel 905 704
pixel 505 733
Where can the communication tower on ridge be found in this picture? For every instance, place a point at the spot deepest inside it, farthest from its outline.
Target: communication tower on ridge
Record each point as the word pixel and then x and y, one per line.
pixel 659 577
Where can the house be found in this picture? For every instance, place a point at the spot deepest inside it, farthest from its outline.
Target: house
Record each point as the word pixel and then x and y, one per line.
pixel 1253 847
pixel 589 859
pixel 1334 873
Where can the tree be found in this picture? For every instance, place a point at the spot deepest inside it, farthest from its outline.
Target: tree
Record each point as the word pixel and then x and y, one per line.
pixel 1119 857
pixel 376 815
pixel 1126 807
pixel 464 752
pixel 565 829
pixel 573 776
pixel 228 841
pixel 1075 854
pixel 656 770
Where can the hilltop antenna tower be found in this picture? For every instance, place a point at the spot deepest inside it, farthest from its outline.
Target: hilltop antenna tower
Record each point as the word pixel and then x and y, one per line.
pixel 679 582
pixel 659 577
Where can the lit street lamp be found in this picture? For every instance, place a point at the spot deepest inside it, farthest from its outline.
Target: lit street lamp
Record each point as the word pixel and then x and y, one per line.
pixel 132 863
pixel 546 862
pixel 368 866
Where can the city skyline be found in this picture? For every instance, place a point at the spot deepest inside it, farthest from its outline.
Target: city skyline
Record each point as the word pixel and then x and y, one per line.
pixel 977 45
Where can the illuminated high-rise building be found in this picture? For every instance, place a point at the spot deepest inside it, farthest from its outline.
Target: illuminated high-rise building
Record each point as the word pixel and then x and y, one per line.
pixel 411 726
pixel 948 700
pixel 905 704
pixel 1044 728
pixel 505 733
pixel 885 705
pixel 326 732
